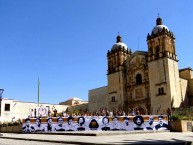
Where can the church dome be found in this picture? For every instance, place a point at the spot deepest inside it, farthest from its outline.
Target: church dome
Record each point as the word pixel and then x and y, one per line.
pixel 159 26
pixel 119 44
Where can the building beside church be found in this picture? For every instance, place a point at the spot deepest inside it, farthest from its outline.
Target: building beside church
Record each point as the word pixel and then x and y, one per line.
pixel 73 102
pixel 12 110
pixel 147 80
pixel 75 105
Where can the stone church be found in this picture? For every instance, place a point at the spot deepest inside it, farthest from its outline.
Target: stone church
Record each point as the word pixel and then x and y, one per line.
pixel 147 80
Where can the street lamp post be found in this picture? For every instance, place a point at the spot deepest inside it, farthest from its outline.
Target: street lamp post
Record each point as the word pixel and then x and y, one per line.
pixel 1 92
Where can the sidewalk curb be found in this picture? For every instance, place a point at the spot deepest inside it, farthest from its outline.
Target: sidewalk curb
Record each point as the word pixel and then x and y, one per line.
pixel 52 141
pixel 102 133
pixel 87 143
pixel 97 138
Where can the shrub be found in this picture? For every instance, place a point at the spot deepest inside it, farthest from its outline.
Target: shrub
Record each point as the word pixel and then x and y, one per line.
pixel 181 117
pixel 175 117
pixel 4 124
pixel 15 123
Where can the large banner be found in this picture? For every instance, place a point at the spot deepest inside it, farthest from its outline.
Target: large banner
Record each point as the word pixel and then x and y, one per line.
pixel 103 123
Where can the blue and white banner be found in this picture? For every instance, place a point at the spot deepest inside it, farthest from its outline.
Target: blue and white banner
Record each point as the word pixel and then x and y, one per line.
pixel 103 123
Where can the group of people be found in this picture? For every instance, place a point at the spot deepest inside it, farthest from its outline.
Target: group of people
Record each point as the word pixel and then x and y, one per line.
pixel 35 113
pixel 104 112
pixel 104 123
pixel 100 112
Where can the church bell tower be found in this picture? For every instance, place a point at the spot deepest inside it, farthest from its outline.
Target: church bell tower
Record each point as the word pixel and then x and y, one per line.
pixel 116 75
pixel 163 69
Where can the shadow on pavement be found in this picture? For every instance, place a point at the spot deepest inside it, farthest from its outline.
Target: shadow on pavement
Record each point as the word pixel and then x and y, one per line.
pixel 154 142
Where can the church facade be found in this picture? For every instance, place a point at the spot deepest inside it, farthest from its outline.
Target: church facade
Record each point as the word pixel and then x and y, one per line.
pixel 149 81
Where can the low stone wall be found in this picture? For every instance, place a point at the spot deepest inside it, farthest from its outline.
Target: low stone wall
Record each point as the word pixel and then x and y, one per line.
pixel 11 129
pixel 181 126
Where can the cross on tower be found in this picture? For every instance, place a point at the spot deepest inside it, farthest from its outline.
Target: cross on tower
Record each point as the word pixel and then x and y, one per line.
pixel 158 14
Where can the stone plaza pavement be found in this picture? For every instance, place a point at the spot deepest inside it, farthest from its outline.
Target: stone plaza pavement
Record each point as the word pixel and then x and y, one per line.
pixel 108 137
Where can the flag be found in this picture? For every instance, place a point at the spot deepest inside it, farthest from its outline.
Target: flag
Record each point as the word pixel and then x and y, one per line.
pixel 38 92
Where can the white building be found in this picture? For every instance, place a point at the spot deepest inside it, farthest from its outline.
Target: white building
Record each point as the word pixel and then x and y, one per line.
pixel 13 110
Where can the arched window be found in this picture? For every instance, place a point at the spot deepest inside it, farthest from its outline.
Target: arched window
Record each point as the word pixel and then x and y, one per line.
pixel 138 79
pixel 161 91
pixel 113 99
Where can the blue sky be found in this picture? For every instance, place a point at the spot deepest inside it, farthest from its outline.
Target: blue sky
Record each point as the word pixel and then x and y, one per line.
pixel 64 42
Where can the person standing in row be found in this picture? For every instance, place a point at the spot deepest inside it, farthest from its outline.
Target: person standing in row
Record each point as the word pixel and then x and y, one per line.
pixel 49 113
pixel 55 111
